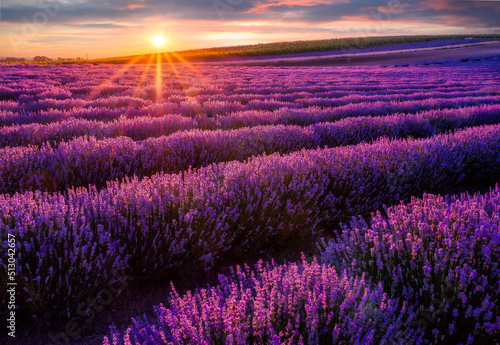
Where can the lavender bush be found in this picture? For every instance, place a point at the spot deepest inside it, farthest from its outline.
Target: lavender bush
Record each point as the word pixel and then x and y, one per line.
pixel 84 162
pixel 440 253
pixel 144 127
pixel 35 94
pixel 196 217
pixel 435 267
pixel 104 173
pixel 296 303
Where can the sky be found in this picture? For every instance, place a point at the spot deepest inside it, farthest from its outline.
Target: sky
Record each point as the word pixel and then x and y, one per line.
pixel 105 28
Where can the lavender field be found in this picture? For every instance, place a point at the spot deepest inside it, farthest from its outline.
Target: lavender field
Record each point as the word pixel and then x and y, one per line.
pixel 159 169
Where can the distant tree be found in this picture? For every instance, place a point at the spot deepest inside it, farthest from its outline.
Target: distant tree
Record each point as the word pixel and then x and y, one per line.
pixel 12 59
pixel 41 59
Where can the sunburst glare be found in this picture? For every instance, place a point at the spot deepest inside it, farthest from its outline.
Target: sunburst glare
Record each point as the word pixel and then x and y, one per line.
pixel 158 41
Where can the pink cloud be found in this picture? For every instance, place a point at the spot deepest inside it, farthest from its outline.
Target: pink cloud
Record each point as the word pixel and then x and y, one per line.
pixel 134 6
pixel 440 5
pixel 263 7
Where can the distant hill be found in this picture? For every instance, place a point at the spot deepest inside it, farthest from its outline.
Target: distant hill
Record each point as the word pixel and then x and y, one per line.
pixel 281 48
pixel 264 49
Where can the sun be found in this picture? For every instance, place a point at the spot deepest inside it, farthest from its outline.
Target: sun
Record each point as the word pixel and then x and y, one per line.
pixel 158 41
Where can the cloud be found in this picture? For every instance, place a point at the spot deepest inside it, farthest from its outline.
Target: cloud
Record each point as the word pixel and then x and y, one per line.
pixel 99 26
pixel 307 11
pixel 269 6
pixel 445 4
pixel 185 21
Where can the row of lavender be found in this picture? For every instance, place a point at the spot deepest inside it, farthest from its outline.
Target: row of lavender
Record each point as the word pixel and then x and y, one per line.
pixel 14 99
pixel 42 95
pixel 50 110
pixel 305 97
pixel 65 81
pixel 427 272
pixel 71 243
pixel 231 103
pixel 84 162
pixel 56 126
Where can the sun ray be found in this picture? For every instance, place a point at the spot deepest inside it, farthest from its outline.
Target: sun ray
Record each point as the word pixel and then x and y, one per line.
pixel 115 76
pixel 186 63
pixel 142 79
pixel 174 69
pixel 159 91
pixel 189 65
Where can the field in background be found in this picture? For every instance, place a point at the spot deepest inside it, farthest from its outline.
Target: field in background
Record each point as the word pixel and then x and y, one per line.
pixel 313 47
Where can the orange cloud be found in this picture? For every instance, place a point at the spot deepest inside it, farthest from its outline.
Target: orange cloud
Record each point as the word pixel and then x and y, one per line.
pixel 134 6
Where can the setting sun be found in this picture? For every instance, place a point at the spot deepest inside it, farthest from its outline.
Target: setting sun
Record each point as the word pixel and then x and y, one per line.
pixel 158 41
